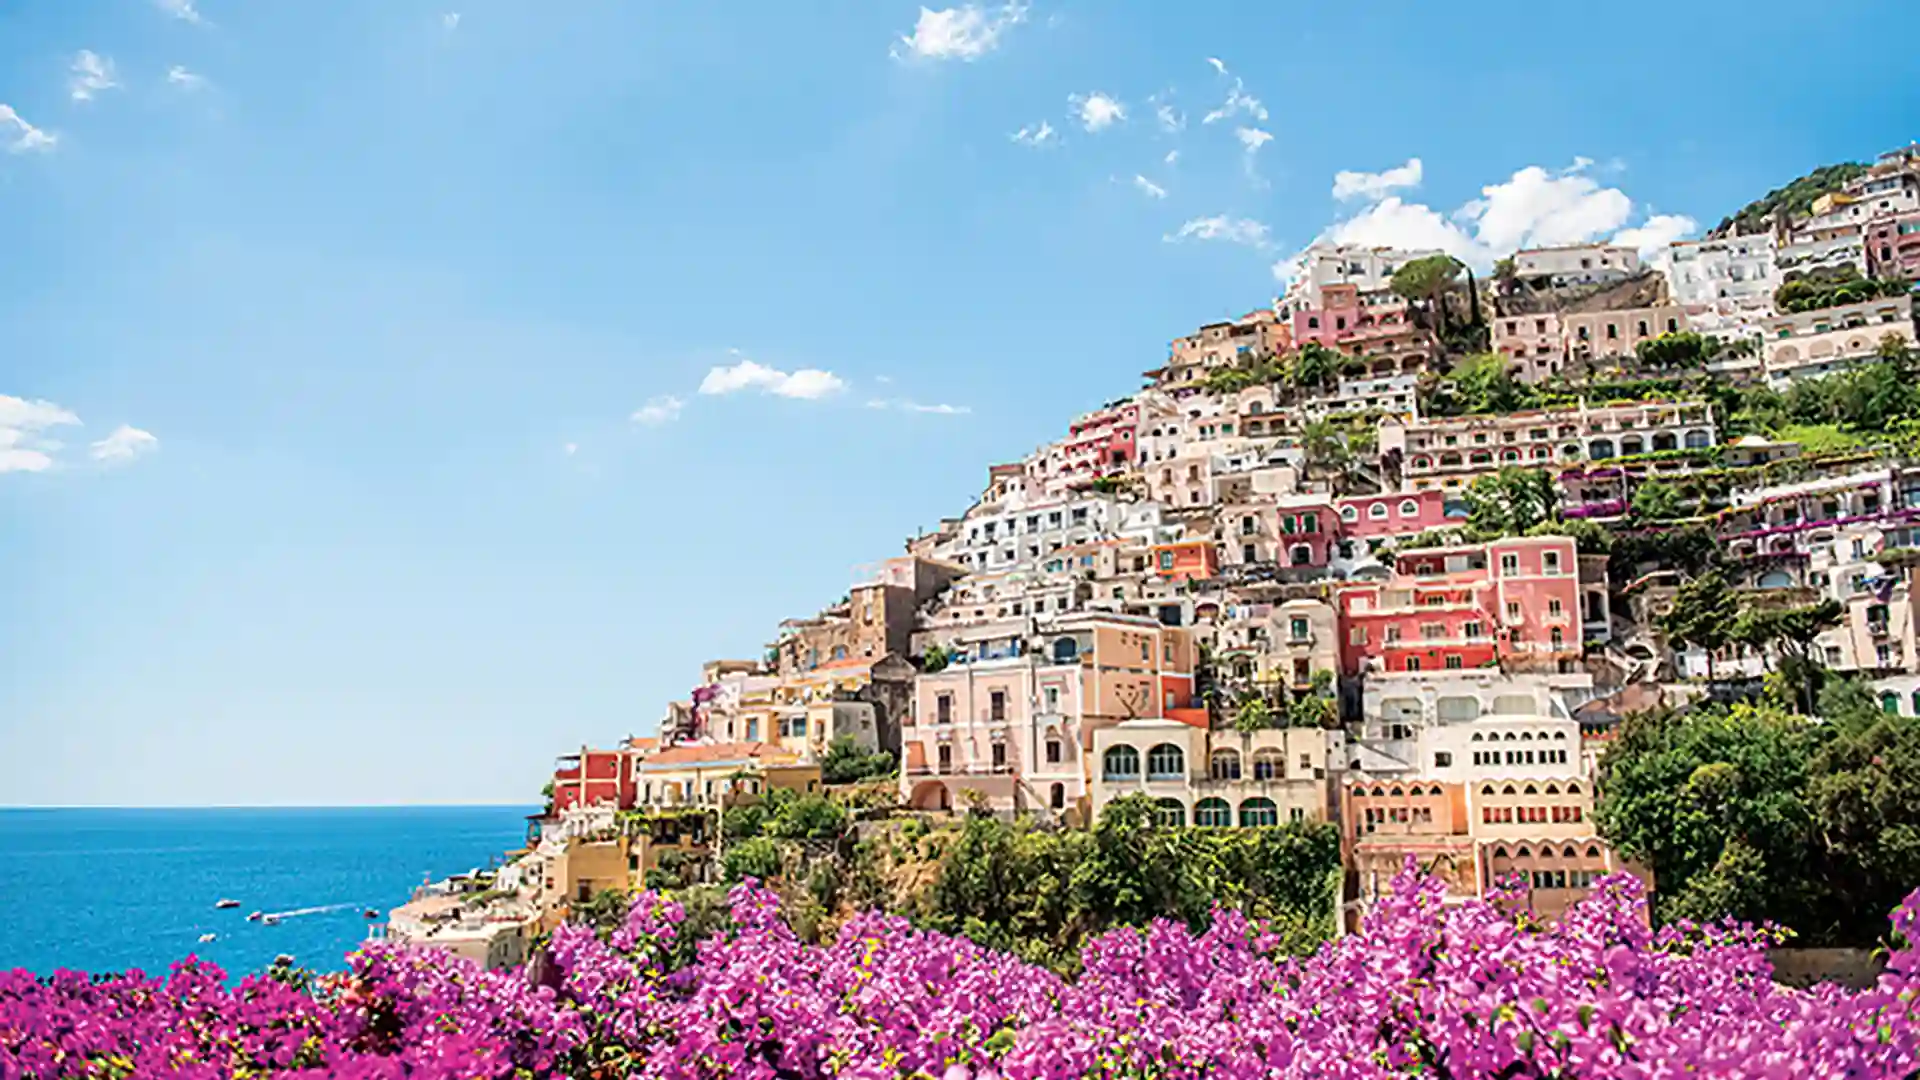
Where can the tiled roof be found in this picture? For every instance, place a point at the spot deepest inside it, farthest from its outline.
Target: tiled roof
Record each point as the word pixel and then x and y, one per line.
pixel 710 753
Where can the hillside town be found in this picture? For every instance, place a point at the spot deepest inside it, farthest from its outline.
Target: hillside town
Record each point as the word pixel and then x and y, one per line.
pixel 1397 553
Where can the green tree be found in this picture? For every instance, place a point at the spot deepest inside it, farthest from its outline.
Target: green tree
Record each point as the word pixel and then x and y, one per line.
pixel 1510 502
pixel 1682 351
pixel 1702 615
pixel 1484 383
pixel 1791 634
pixel 846 763
pixel 1428 280
pixel 1866 796
pixel 756 858
pixel 1712 801
pixel 808 817
pixel 1316 365
pixel 1324 447
pixel 934 659
pixel 1656 501
pixel 1589 537
pixel 605 911
pixel 1254 713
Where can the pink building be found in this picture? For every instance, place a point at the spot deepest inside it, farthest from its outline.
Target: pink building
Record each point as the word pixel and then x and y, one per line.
pixel 1368 517
pixel 1534 343
pixel 1337 318
pixel 1513 602
pixel 1893 246
pixel 1101 442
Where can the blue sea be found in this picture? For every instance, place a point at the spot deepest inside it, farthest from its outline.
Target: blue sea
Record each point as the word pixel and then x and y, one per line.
pixel 108 890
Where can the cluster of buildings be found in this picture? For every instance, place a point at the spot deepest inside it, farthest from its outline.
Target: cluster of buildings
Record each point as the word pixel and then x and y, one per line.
pixel 1175 599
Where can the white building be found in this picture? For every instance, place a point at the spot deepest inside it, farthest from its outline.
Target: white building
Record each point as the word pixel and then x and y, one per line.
pixel 1577 264
pixel 1394 394
pixel 1820 342
pixel 1369 268
pixel 1466 726
pixel 1217 778
pixel 1726 274
pixel 1017 533
pixel 1807 253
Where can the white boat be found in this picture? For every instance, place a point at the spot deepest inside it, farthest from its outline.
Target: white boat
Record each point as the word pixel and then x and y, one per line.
pixel 255 917
pixel 204 938
pixel 269 920
pixel 223 903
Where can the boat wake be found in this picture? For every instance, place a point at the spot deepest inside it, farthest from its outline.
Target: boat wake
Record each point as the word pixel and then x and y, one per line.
pixel 276 916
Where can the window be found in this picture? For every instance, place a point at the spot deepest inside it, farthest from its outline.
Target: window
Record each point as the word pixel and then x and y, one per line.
pixel 1058 797
pixel 1255 813
pixel 1357 635
pixel 1300 628
pixel 1166 560
pixel 1224 765
pixel 1409 508
pixel 1454 662
pixel 997 706
pixel 1553 606
pixel 999 755
pixel 943 709
pixel 1212 813
pixel 1378 511
pixel 1169 813
pixel 1509 564
pixel 1432 631
pixel 1475 631
pixel 1513 610
pixel 1122 763
pixel 1166 762
pixel 1267 765
pixel 946 758
pixel 1442 759
pixel 1551 560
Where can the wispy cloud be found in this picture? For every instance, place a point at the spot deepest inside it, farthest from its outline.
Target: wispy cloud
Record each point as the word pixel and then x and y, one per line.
pixel 179 76
pixel 24 446
pixel 967 32
pixel 806 384
pixel 663 409
pixel 1172 156
pixel 180 9
pixel 21 137
pixel 1219 65
pixel 904 405
pixel 1252 138
pixel 1097 111
pixel 91 73
pixel 570 449
pixel 1170 119
pixel 450 21
pixel 1223 228
pixel 125 444
pixel 1238 101
pixel 1657 232
pixel 1151 189
pixel 1350 184
pixel 1040 134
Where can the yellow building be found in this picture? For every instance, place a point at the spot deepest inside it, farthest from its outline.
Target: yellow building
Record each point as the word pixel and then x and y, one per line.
pixel 714 774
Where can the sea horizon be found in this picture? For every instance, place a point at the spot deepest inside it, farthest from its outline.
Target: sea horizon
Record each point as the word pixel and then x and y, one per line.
pixel 103 888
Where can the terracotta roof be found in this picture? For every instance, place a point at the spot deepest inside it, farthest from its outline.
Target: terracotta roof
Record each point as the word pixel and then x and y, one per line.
pixel 644 745
pixel 848 664
pixel 715 752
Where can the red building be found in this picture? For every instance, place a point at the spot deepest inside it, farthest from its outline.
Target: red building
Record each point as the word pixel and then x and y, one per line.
pixel 1514 601
pixel 592 777
pixel 1893 246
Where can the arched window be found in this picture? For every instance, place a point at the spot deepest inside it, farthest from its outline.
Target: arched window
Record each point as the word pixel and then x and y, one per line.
pixel 1500 852
pixel 1349 513
pixel 1258 812
pixel 1225 765
pixel 1593 852
pixel 1568 852
pixel 1166 762
pixel 1508 790
pixel 1553 789
pixel 1456 710
pixel 1916 703
pixel 1359 792
pixel 1890 703
pixel 1214 813
pixel 1523 853
pixel 1477 737
pixel 1169 813
pixel 1378 511
pixel 1599 449
pixel 1573 789
pixel 1697 440
pixel 1408 508
pixel 1268 765
pixel 1395 791
pixel 1486 789
pixel 1531 790
pixel 1065 650
pixel 1122 763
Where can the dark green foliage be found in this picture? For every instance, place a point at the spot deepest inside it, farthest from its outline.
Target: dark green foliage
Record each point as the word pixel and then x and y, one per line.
pixel 1684 351
pixel 846 763
pixel 1756 813
pixel 934 660
pixel 1509 503
pixel 1795 198
pixel 1703 614
pixel 1655 500
pixel 758 857
pixel 1041 894
pixel 605 911
pixel 1845 285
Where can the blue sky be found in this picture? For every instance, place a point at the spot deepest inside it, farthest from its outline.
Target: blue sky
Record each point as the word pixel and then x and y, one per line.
pixel 353 438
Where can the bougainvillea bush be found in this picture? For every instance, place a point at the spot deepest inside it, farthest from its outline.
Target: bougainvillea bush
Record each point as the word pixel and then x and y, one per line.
pixel 1424 989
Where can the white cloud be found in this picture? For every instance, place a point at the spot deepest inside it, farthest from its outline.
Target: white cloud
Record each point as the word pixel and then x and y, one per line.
pixel 450 21
pixel 1097 111
pixel 24 446
pixel 1409 227
pixel 570 449
pixel 1152 189
pixel 1348 184
pixel 1653 235
pixel 1238 101
pixel 25 137
pixel 92 73
pixel 807 384
pixel 1170 119
pixel 967 32
pixel 1534 207
pixel 1172 156
pixel 1036 134
pixel 1218 64
pixel 180 9
pixel 124 445
pixel 1221 227
pixel 178 75
pixel 1252 138
pixel 658 410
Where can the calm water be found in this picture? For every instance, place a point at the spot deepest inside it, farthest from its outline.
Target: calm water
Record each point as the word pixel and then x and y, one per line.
pixel 107 890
